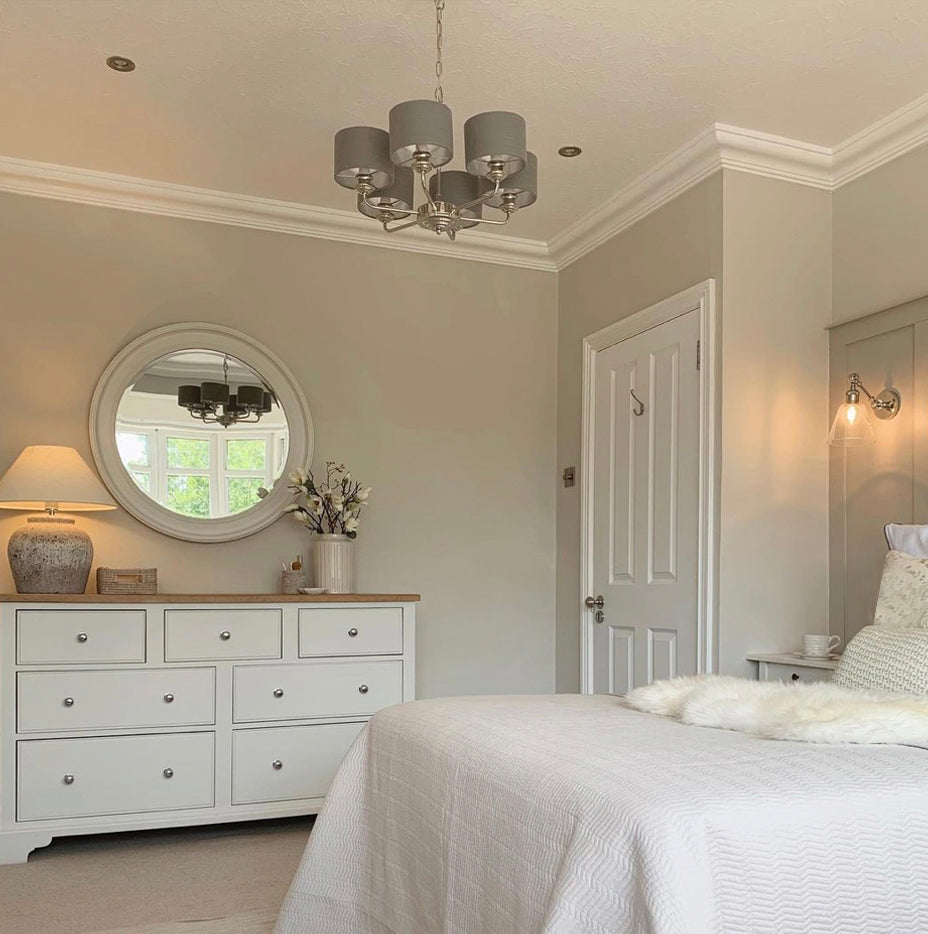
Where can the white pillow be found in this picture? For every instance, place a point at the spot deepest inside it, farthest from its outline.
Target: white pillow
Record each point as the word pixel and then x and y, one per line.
pixel 903 599
pixel 881 658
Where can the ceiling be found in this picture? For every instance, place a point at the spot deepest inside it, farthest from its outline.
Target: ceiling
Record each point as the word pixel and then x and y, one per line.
pixel 245 95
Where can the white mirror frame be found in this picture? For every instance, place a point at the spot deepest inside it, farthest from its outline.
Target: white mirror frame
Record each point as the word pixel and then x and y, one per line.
pixel 143 351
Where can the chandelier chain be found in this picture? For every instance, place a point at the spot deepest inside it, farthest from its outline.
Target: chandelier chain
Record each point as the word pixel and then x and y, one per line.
pixel 439 91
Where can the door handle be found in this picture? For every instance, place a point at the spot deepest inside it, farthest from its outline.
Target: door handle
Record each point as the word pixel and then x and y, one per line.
pixel 594 603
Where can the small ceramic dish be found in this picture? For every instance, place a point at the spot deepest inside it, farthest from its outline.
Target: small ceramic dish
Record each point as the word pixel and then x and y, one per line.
pixel 313 591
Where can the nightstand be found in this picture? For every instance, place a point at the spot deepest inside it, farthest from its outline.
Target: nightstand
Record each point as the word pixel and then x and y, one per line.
pixel 789 667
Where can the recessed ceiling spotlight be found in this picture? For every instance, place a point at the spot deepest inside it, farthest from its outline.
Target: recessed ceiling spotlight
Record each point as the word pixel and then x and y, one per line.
pixel 568 152
pixel 120 63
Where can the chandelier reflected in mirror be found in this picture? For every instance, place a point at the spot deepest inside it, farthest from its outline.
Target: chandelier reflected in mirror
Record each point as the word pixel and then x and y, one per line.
pixel 391 171
pixel 216 403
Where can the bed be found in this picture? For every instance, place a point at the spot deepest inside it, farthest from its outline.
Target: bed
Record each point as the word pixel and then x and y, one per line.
pixel 563 814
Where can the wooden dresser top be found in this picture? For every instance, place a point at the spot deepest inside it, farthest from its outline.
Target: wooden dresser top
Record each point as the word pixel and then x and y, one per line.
pixel 209 598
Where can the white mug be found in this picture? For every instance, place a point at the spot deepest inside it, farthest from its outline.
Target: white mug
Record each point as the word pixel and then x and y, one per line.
pixel 819 646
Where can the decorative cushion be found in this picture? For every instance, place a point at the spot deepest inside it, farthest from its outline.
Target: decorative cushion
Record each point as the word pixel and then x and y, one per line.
pixel 881 658
pixel 903 599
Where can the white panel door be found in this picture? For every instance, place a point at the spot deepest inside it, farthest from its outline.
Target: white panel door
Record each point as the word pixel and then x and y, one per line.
pixel 645 506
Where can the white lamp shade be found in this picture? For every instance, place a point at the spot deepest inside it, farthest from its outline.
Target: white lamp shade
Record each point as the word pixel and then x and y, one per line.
pixel 852 426
pixel 49 475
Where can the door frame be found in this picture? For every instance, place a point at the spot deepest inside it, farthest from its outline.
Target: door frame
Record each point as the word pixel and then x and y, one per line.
pixel 700 298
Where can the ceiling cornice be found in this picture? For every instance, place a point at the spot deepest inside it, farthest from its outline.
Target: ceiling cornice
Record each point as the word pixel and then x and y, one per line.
pixel 720 146
pixel 84 186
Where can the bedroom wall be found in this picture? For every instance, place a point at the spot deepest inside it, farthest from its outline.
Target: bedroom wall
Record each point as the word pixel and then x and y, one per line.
pixel 447 408
pixel 774 503
pixel 675 247
pixel 768 245
pixel 880 238
pixel 880 244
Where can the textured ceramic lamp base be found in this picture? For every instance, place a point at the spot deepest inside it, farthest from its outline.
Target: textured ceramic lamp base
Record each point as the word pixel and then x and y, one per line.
pixel 333 563
pixel 50 555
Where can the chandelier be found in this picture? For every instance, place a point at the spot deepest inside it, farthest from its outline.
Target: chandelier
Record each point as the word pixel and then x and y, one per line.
pixel 216 403
pixel 387 169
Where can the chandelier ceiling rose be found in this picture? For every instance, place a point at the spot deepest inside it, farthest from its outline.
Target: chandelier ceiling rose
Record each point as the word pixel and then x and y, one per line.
pixel 390 171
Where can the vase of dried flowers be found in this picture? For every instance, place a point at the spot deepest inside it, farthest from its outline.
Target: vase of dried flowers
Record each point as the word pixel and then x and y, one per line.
pixel 331 509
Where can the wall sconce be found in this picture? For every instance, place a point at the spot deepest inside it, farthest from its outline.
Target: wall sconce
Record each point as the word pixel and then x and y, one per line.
pixel 852 423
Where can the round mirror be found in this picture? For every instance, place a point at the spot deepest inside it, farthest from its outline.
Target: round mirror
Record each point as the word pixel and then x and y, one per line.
pixel 189 423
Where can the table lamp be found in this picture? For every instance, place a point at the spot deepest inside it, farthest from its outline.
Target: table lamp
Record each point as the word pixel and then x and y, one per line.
pixel 49 554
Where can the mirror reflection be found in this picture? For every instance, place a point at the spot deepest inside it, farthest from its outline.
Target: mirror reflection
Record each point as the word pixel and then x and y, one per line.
pixel 200 432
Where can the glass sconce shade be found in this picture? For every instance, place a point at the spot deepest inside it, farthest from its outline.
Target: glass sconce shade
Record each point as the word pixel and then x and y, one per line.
pixel 398 195
pixel 494 136
pixel 363 150
pixel 852 425
pixel 421 126
pixel 458 188
pixel 524 185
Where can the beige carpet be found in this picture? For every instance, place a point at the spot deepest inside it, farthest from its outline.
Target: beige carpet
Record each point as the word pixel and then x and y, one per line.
pixel 227 879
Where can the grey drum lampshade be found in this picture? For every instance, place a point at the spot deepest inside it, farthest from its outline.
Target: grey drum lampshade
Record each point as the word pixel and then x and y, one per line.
pixel 458 188
pixel 494 136
pixel 524 184
pixel 398 195
pixel 363 150
pixel 423 126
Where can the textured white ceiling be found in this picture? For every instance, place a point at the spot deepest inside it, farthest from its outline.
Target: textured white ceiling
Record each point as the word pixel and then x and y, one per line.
pixel 245 95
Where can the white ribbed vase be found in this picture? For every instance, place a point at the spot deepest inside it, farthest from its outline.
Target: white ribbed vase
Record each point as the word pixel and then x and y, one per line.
pixel 333 563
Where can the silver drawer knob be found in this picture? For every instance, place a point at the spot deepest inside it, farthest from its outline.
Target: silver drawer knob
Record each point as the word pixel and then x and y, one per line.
pixel 225 635
pixel 69 702
pixel 169 698
pixel 82 637
pixel 363 689
pixel 352 632
pixel 168 773
pixel 279 692
pixel 277 764
pixel 69 779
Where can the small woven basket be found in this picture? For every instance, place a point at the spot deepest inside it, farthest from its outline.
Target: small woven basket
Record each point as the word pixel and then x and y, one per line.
pixel 127 580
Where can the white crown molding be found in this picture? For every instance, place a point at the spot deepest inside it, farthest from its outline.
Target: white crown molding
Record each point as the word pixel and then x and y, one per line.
pixel 902 131
pixel 720 146
pixel 44 180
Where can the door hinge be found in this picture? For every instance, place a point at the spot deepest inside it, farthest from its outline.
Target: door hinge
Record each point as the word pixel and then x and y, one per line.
pixel 698 354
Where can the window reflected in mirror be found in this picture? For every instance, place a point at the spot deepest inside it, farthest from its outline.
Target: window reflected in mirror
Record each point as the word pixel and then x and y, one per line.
pixel 200 433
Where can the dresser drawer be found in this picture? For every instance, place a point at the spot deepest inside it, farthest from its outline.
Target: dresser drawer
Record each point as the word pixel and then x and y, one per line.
pixel 202 635
pixel 62 778
pixel 770 671
pixel 315 689
pixel 79 637
pixel 351 631
pixel 288 762
pixel 107 700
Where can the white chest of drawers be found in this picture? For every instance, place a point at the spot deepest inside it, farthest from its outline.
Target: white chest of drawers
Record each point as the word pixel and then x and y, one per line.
pixel 124 713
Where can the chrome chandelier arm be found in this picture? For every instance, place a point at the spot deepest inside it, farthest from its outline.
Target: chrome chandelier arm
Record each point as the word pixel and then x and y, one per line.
pixel 425 188
pixel 363 199
pixel 405 226
pixel 486 220
pixel 483 198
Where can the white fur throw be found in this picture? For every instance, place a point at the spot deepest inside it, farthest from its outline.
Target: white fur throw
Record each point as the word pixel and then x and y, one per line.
pixel 811 713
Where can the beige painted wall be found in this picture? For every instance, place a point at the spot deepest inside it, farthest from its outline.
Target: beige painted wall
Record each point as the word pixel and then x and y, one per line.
pixel 433 378
pixel 666 252
pixel 880 238
pixel 774 507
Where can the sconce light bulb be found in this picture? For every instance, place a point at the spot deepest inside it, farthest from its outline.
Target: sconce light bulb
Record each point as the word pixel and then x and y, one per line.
pixel 851 414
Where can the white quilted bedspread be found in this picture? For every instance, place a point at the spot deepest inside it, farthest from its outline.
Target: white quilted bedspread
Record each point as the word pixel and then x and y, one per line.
pixel 557 814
